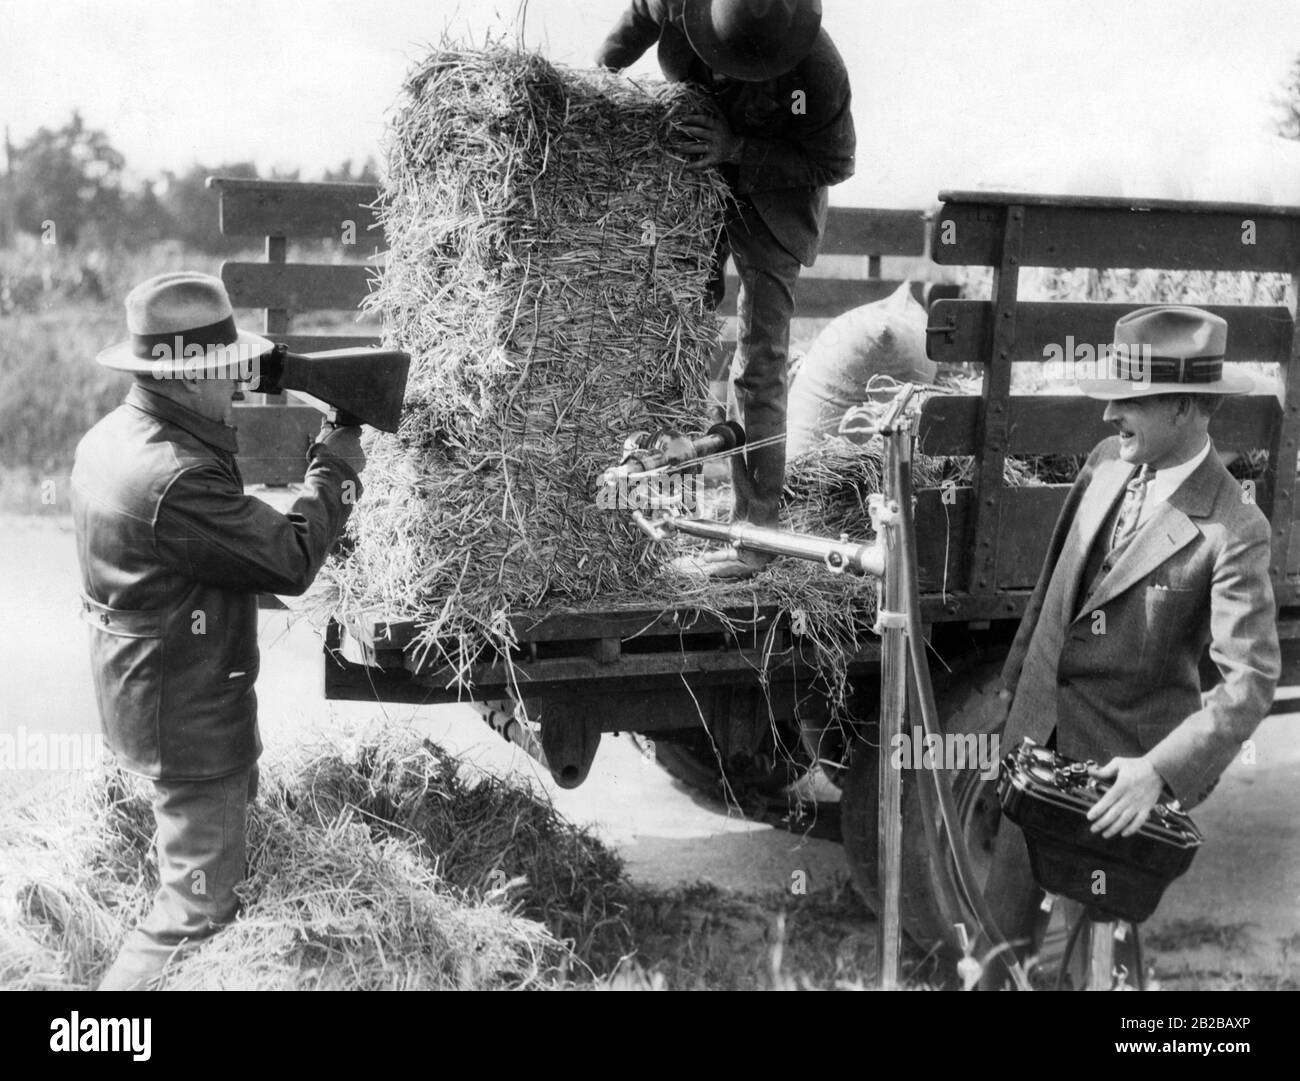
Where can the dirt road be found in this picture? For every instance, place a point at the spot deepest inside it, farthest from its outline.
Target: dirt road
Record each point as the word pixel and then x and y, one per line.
pixel 1242 895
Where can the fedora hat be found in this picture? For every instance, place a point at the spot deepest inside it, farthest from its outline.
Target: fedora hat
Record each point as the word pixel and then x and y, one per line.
pixel 182 324
pixel 752 40
pixel 1167 349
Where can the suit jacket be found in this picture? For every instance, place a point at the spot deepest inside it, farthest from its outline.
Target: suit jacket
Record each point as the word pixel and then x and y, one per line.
pixel 790 154
pixel 1195 574
pixel 173 554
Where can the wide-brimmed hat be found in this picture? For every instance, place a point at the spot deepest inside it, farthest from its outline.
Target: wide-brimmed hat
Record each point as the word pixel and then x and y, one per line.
pixel 1167 349
pixel 752 40
pixel 183 324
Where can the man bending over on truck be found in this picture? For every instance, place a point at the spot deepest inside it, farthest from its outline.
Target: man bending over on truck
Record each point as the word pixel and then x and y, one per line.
pixel 780 132
pixel 173 555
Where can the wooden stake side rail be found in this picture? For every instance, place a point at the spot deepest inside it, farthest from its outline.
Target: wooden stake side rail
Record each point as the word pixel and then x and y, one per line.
pixel 1009 231
pixel 280 211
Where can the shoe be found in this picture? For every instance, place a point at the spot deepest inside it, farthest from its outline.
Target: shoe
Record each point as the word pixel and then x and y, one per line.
pixel 727 563
pixel 731 569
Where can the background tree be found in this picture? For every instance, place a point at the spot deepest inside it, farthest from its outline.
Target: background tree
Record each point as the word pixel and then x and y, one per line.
pixel 1288 123
pixel 71 176
pixel 366 173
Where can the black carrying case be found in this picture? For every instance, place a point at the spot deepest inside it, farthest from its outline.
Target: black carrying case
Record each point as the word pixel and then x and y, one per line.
pixel 1048 796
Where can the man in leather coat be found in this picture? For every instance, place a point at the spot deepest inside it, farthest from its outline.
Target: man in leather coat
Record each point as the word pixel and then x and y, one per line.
pixel 173 554
pixel 780 131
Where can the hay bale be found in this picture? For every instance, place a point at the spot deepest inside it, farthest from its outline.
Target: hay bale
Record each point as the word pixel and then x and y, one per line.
pixel 548 264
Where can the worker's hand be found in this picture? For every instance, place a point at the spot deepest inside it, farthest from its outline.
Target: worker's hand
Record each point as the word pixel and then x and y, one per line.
pixel 343 442
pixel 714 140
pixel 1125 807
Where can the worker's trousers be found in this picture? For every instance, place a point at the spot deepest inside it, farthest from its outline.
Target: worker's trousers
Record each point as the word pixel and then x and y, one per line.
pixel 200 847
pixel 1014 901
pixel 757 395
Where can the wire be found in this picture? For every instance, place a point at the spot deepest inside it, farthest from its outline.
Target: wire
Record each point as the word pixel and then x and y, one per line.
pixel 925 693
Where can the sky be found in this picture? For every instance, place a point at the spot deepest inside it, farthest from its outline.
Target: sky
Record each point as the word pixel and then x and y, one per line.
pixel 947 93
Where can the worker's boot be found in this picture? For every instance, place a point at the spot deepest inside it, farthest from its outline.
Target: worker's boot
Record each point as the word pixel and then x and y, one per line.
pixel 739 564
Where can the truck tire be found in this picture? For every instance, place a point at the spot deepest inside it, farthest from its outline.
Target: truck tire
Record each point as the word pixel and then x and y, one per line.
pixel 926 889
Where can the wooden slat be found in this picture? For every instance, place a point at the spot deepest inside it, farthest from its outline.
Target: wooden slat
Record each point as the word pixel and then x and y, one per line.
pixel 296 286
pixel 817 298
pixel 970 234
pixel 958 329
pixel 1121 202
pixel 288 208
pixel 862 231
pixel 1028 516
pixel 940 527
pixel 1025 527
pixel 294 209
pixel 273 441
pixel 1072 424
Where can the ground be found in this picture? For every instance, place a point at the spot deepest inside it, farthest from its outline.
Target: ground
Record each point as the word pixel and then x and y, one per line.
pixel 1232 921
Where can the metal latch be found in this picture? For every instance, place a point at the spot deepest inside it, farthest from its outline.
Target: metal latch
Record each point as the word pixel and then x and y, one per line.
pixel 948 330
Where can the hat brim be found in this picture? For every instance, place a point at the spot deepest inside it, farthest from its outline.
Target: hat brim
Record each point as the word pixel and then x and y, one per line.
pixel 233 361
pixel 720 57
pixel 1113 390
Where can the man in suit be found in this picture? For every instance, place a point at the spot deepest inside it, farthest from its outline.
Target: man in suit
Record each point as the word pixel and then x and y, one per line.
pixel 173 554
pixel 1157 554
pixel 780 131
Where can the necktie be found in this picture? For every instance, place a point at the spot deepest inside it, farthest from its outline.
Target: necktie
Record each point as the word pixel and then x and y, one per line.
pixel 1131 511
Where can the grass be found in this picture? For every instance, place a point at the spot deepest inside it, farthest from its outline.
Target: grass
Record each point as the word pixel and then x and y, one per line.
pixel 377 861
pixel 387 865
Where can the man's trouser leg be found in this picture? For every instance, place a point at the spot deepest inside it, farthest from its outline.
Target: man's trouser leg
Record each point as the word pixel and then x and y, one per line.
pixel 1014 901
pixel 757 399
pixel 200 862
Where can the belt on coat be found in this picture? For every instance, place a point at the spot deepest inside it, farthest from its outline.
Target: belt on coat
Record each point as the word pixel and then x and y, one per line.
pixel 141 623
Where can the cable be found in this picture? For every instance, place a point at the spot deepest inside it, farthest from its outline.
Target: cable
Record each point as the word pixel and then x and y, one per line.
pixel 925 692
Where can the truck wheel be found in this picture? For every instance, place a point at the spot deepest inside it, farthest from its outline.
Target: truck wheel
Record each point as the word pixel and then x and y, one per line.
pixel 924 886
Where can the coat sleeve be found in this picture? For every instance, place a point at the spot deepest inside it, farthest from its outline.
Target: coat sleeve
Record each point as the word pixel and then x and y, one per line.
pixel 823 151
pixel 1244 646
pixel 1020 646
pixel 210 531
pixel 635 32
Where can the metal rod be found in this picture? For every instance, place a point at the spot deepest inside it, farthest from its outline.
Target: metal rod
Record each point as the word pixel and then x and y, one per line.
pixel 893 712
pixel 1101 955
pixel 842 555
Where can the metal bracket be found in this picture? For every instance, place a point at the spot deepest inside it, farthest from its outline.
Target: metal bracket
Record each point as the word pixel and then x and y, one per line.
pixel 948 330
pixel 889 621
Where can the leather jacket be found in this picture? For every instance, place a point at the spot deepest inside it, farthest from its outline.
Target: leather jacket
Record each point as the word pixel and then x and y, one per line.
pixel 173 554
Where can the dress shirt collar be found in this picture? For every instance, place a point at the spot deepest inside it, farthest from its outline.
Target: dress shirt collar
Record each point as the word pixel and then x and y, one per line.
pixel 1165 482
